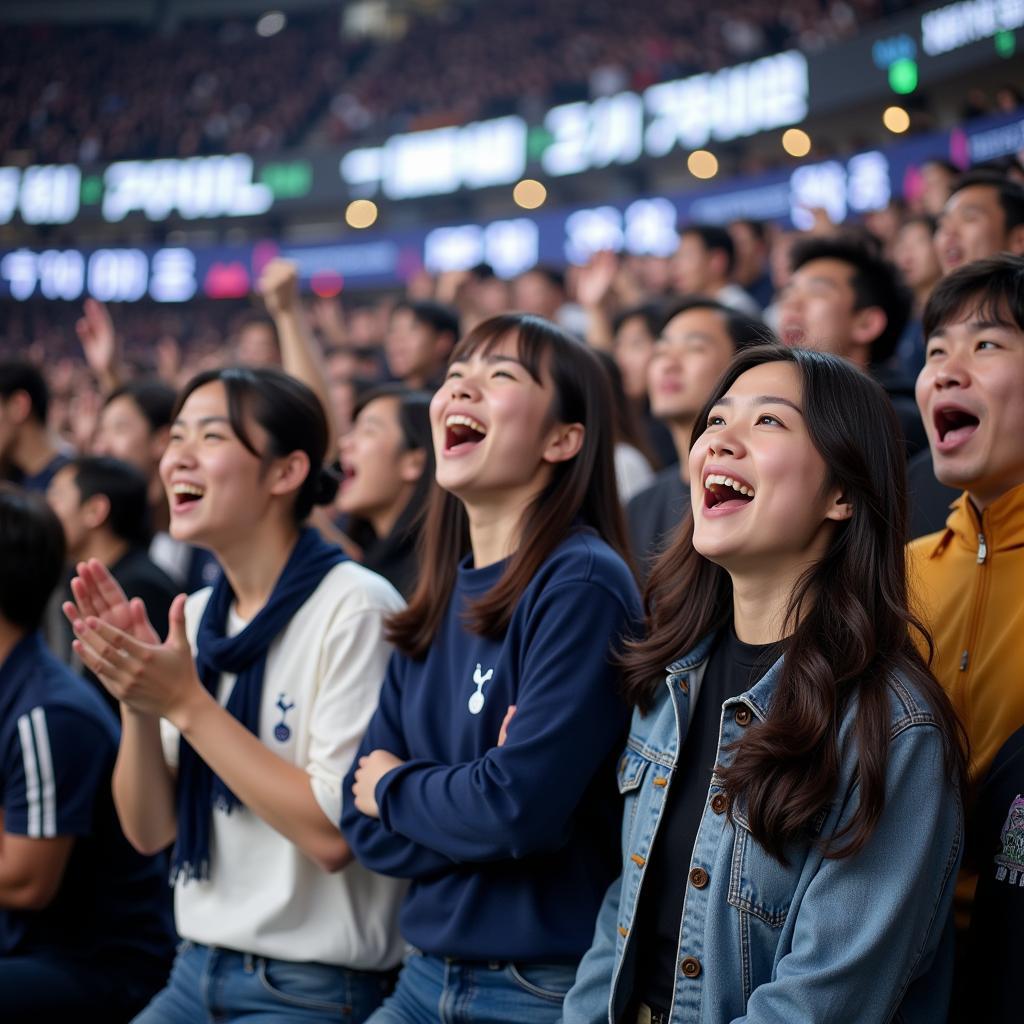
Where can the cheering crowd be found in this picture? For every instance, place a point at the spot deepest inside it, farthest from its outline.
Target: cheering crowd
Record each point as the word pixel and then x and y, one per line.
pixel 202 86
pixel 636 644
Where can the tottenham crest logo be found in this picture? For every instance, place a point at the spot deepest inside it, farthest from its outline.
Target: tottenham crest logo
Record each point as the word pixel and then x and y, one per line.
pixel 480 679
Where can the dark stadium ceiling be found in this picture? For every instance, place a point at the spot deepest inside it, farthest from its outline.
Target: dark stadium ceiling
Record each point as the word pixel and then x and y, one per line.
pixel 168 12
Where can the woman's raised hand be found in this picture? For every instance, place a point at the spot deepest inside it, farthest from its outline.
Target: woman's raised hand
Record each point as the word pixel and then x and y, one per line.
pixel 148 676
pixel 99 595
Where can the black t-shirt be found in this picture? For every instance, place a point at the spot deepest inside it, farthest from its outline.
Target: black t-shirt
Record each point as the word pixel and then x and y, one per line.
pixel 733 667
pixel 990 987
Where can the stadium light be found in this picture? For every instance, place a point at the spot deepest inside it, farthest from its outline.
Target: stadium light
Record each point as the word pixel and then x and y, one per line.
pixel 896 119
pixel 270 24
pixel 796 142
pixel 361 213
pixel 529 194
pixel 702 164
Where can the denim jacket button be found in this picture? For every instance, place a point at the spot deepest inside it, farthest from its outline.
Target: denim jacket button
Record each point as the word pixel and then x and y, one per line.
pixel 719 802
pixel 743 716
pixel 698 878
pixel 690 967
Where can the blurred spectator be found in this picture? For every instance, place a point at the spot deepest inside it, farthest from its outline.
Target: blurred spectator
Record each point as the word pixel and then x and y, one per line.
pixel 387 463
pixel 983 217
pixel 694 346
pixel 704 265
pixel 633 461
pixel 938 178
pixel 914 256
pixel 844 299
pixel 85 932
pixel 750 242
pixel 256 342
pixel 102 504
pixel 28 454
pixel 420 338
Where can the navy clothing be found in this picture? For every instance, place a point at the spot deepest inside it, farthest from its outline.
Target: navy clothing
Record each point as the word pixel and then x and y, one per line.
pixel 39 482
pixel 509 849
pixel 57 748
pixel 991 981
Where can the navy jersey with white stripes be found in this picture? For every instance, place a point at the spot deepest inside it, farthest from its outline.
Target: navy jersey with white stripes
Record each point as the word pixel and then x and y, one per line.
pixel 58 742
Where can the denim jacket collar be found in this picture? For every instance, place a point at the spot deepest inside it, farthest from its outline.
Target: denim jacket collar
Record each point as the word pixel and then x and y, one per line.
pixel 758 697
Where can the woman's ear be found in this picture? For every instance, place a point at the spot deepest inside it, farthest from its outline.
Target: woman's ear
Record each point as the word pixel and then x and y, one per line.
pixel 411 465
pixel 564 442
pixel 840 508
pixel 289 473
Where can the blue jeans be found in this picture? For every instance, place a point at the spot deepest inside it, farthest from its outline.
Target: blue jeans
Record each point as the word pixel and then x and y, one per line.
pixel 219 986
pixel 431 989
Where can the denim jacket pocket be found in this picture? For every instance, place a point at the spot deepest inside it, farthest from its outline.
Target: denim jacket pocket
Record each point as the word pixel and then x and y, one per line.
pixel 629 775
pixel 758 884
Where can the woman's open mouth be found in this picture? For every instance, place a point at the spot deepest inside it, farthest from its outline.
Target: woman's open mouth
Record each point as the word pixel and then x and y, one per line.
pixel 725 493
pixel 185 497
pixel 462 433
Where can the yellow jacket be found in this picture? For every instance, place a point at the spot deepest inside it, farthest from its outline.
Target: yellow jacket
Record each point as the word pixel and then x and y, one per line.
pixel 967 582
pixel 968 585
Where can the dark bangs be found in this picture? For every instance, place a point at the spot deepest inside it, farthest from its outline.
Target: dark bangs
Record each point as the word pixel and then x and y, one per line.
pixel 989 291
pixel 533 336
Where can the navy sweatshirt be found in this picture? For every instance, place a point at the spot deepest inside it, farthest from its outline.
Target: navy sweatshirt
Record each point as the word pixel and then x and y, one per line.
pixel 510 850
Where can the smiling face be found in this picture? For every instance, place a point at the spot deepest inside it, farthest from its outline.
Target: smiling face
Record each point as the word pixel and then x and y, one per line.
pixel 760 497
pixel 218 490
pixel 692 353
pixel 379 471
pixel 495 438
pixel 971 397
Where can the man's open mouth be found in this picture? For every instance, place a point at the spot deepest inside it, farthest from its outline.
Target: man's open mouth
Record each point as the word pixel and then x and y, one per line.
pixel 954 425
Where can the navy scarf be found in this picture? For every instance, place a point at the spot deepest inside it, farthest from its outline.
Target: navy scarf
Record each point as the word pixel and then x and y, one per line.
pixel 245 656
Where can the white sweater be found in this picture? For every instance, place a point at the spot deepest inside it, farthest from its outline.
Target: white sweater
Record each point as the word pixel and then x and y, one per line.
pixel 321 685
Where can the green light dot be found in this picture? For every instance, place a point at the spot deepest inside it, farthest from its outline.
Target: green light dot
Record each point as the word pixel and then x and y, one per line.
pixel 92 190
pixel 1006 43
pixel 903 76
pixel 537 142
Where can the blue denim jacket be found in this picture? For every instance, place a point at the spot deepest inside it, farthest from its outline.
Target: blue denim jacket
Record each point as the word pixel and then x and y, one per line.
pixel 860 939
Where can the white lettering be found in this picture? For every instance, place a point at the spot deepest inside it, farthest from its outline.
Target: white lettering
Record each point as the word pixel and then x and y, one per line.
pixel 957 25
pixel 202 186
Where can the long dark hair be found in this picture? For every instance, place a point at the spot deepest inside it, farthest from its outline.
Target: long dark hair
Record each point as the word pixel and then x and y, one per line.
pixel 849 615
pixel 288 411
pixel 581 491
pixel 414 423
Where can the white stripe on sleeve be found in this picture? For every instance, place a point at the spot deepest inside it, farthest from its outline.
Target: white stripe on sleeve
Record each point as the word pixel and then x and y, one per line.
pixel 49 784
pixel 32 790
